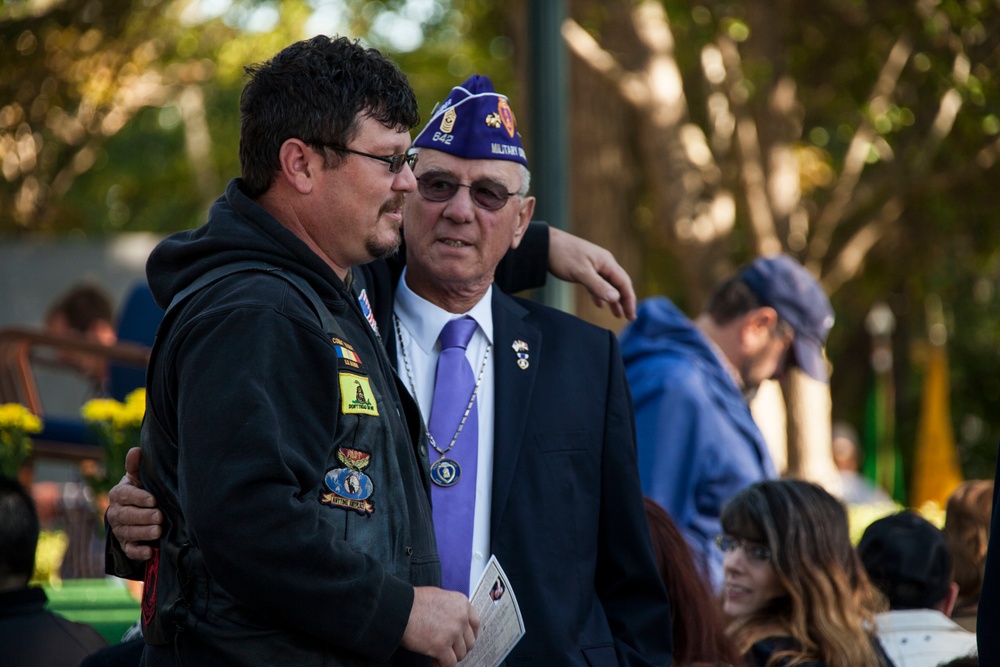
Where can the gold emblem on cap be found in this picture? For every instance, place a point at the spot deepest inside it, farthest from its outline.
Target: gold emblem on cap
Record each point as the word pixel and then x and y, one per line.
pixel 493 120
pixel 448 120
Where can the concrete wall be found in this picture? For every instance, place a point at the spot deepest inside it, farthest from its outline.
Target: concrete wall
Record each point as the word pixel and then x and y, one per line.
pixel 34 273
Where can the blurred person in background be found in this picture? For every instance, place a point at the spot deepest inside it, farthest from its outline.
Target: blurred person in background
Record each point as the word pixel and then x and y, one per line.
pixel 908 559
pixel 795 592
pixel 697 623
pixel 30 635
pixel 857 490
pixel 967 529
pixel 691 380
pixel 84 311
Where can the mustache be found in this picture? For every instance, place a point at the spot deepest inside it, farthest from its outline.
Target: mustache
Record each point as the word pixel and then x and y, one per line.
pixel 392 205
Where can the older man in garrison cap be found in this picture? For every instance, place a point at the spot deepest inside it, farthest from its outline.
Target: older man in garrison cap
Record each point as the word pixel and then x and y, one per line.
pixel 698 443
pixel 533 455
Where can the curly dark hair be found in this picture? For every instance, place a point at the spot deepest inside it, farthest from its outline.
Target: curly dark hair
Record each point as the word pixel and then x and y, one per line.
pixel 316 90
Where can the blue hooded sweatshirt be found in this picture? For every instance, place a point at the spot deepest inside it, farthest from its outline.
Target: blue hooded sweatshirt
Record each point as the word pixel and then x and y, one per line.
pixel 698 443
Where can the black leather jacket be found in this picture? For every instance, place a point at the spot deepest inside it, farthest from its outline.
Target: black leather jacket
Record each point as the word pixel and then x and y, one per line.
pixel 297 518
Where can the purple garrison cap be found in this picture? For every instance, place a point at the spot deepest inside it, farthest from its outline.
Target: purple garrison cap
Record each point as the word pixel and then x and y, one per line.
pixel 474 122
pixel 785 285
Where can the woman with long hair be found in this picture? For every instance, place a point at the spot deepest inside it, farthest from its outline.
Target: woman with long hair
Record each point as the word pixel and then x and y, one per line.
pixel 795 592
pixel 697 624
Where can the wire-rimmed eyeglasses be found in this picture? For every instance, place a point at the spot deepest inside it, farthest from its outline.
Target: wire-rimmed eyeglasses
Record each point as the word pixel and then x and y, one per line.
pixel 754 551
pixel 395 162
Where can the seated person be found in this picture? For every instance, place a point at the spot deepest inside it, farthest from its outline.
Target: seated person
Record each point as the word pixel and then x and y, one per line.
pixel 967 529
pixel 29 633
pixel 908 559
pixel 794 590
pixel 696 617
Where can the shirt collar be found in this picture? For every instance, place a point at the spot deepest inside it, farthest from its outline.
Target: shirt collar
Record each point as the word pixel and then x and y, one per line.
pixel 424 320
pixel 901 620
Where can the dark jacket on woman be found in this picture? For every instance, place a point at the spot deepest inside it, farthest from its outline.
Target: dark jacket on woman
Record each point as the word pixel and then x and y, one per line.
pixel 761 652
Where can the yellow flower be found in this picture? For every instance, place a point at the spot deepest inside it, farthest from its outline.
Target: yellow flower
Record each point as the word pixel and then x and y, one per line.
pixel 118 415
pixel 16 416
pixel 100 410
pixel 16 423
pixel 49 555
pixel 117 425
pixel 135 407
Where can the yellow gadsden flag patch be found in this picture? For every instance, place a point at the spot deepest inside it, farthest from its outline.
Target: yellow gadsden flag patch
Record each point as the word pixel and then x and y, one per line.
pixel 356 397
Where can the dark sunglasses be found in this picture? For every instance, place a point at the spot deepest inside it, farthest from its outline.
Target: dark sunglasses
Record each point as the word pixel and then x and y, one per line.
pixel 487 194
pixel 395 162
pixel 755 552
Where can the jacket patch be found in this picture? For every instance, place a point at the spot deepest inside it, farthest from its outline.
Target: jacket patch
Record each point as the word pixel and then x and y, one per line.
pixel 149 587
pixel 356 397
pixel 366 308
pixel 346 356
pixel 350 488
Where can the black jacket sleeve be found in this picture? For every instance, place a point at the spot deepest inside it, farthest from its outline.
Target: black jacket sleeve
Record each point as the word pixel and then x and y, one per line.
pixel 527 266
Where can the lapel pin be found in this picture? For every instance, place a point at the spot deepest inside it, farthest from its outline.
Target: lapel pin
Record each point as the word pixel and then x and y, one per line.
pixel 521 348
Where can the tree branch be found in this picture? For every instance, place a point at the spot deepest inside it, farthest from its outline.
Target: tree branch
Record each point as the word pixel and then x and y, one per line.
pixel 752 170
pixel 851 258
pixel 854 161
pixel 631 86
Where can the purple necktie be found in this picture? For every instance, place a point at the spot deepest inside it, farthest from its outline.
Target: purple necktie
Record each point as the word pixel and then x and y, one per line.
pixel 455 505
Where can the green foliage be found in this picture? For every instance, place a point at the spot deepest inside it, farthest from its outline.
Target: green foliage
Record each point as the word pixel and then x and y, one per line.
pixel 94 139
pixel 944 244
pixel 75 71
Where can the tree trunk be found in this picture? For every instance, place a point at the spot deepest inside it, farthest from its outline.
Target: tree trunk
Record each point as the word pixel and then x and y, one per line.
pixel 603 171
pixel 810 456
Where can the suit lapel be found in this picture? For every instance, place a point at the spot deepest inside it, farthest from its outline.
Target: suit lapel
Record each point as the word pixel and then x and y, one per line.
pixel 512 390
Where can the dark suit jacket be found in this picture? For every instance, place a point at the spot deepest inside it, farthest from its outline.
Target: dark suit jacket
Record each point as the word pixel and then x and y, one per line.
pixel 568 524
pixel 988 621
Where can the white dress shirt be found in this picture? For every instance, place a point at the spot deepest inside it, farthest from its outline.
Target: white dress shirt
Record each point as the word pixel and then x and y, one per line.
pixel 922 637
pixel 419 324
